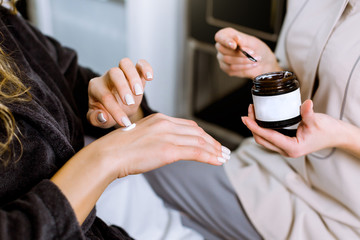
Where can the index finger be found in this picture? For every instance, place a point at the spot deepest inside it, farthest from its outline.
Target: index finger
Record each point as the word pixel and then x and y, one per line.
pixel 231 38
pixel 226 37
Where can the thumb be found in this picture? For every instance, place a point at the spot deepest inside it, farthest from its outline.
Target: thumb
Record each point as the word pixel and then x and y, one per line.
pixel 100 118
pixel 306 110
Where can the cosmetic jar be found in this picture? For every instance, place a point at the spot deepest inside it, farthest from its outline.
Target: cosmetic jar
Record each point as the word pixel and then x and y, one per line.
pixel 277 100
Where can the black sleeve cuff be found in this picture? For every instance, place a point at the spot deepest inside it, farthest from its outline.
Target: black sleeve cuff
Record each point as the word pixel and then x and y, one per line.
pixel 60 209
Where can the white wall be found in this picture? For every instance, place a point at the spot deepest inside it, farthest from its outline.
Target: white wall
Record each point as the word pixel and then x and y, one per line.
pixel 156 33
pixel 104 31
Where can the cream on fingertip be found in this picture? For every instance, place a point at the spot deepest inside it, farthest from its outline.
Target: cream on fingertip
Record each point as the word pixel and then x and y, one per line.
pixel 128 128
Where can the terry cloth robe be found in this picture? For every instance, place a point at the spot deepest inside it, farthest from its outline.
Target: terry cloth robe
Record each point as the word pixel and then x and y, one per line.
pixel 52 127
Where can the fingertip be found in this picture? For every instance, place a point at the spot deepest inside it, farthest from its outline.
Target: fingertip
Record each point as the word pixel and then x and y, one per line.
pixel 221 160
pixel 145 68
pixel 310 103
pixel 125 121
pixel 307 108
pixel 250 109
pixel 148 76
pixel 232 45
pixel 138 90
pixel 243 119
pixel 101 118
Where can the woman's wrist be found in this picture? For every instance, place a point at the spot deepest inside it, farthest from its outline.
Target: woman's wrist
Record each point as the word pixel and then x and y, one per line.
pixel 351 139
pixel 83 179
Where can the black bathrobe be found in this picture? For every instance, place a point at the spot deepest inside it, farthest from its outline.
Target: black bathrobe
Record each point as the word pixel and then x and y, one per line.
pixel 52 127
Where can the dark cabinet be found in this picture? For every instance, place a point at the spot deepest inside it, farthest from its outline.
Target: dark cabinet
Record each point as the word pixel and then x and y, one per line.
pixel 215 100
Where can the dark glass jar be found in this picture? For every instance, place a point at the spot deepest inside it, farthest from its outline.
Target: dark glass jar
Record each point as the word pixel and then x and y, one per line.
pixel 277 101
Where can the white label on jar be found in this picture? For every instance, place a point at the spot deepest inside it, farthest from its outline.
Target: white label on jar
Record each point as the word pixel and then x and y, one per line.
pixel 278 107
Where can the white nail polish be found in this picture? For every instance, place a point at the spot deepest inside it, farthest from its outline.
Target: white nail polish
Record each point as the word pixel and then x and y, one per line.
pixel 149 75
pixel 225 150
pixel 129 99
pixel 138 89
pixel 222 160
pixel 226 156
pixel 101 118
pixel 126 121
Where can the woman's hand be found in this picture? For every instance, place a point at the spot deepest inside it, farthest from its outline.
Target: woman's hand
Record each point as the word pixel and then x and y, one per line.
pixel 235 63
pixel 115 97
pixel 316 131
pixel 157 140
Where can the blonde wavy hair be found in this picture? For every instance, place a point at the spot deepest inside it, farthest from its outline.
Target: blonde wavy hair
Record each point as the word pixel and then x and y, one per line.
pixel 11 89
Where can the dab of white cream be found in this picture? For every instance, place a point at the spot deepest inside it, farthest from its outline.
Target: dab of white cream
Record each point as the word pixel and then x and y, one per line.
pixel 128 128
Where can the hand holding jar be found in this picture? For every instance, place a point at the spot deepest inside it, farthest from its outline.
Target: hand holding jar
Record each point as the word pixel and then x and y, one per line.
pixel 315 132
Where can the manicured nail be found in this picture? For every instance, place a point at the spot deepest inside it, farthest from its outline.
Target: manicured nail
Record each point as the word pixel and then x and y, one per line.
pixel 226 156
pixel 126 121
pixel 138 89
pixel 225 150
pixel 231 45
pixel 222 160
pixel 129 99
pixel 149 75
pixel 101 118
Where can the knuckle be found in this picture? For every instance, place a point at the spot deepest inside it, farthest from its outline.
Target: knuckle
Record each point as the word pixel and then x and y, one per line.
pixel 159 115
pixel 257 140
pixel 142 62
pixel 196 153
pixel 125 62
pixel 199 132
pixel 226 59
pixel 201 141
pixel 92 82
pixel 293 153
pixel 106 98
pixel 232 67
pixel 232 73
pixel 192 122
pixel 164 124
pixel 114 71
pixel 169 152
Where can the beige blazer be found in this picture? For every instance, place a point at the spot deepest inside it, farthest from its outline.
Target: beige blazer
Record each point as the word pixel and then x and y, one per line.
pixel 317 196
